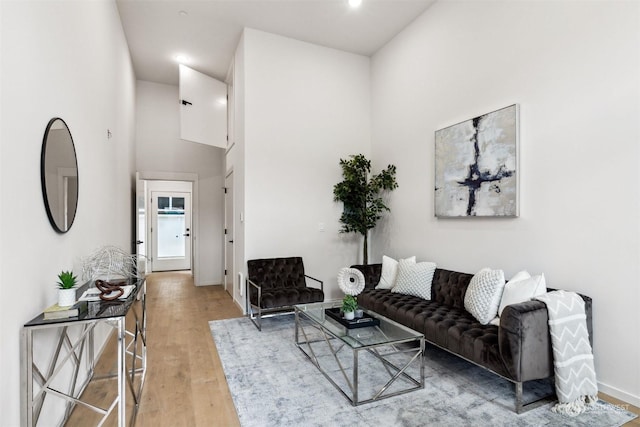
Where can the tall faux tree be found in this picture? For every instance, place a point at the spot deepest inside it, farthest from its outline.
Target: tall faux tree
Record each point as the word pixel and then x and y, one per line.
pixel 361 195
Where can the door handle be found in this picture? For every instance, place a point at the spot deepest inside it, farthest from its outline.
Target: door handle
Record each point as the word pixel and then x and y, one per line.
pixel 230 241
pixel 186 234
pixel 139 242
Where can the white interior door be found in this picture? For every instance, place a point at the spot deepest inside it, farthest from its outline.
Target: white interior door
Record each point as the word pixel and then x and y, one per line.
pixel 228 235
pixel 141 225
pixel 171 230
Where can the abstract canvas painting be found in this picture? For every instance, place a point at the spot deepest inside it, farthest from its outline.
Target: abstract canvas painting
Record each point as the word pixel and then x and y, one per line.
pixel 476 166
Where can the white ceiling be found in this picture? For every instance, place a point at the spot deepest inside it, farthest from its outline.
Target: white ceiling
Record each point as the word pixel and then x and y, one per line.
pixel 210 30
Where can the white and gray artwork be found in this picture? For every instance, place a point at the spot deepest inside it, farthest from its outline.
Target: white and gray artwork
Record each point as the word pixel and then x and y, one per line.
pixel 476 166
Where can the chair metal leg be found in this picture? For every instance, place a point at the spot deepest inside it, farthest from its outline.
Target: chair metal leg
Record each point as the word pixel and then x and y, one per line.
pixel 250 306
pixel 256 320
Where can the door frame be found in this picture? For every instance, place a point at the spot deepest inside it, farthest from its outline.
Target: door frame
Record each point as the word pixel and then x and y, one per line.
pixel 195 225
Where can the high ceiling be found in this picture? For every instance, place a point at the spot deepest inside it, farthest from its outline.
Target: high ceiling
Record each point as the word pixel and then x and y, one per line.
pixel 208 31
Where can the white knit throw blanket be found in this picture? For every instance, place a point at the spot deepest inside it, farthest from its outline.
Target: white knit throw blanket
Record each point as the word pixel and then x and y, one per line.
pixel 575 376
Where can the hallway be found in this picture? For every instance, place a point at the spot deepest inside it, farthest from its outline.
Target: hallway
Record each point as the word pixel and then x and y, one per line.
pixel 185 384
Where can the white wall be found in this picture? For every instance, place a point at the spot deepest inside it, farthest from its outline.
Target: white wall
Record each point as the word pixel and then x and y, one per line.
pixel 573 67
pixel 160 149
pixel 67 59
pixel 305 106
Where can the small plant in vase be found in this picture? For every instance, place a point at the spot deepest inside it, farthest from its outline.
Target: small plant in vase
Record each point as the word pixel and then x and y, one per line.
pixel 66 289
pixel 349 306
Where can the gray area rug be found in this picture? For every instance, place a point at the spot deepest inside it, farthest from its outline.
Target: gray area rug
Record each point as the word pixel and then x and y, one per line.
pixel 274 384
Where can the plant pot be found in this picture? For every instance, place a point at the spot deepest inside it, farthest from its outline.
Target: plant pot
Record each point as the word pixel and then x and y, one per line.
pixel 66 297
pixel 349 315
pixel 359 313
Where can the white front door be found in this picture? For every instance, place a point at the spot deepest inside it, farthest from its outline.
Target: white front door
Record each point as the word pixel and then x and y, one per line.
pixel 228 235
pixel 171 230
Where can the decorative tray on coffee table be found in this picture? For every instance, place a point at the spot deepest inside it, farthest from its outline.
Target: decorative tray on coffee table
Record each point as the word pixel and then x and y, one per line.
pixel 361 322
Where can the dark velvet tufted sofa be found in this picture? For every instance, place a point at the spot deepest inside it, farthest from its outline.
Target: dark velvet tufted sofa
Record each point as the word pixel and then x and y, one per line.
pixel 276 285
pixel 518 350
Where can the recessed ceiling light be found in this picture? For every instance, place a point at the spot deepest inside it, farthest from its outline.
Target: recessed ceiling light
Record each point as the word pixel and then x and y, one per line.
pixel 355 3
pixel 182 59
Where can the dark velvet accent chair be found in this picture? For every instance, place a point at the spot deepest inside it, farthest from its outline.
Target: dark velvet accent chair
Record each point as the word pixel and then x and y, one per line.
pixel 275 285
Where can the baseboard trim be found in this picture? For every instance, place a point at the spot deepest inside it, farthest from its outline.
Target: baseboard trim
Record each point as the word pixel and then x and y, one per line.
pixel 209 284
pixel 241 307
pixel 619 394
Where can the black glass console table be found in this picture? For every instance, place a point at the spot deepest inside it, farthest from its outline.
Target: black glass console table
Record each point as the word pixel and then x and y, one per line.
pixel 127 317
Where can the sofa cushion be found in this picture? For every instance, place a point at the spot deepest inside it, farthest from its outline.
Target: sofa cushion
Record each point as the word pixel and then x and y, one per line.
pixel 390 271
pixel 484 294
pixel 284 297
pixel 414 278
pixel 449 287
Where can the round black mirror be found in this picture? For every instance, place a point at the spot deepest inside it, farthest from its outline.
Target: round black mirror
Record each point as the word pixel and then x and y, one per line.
pixel 59 175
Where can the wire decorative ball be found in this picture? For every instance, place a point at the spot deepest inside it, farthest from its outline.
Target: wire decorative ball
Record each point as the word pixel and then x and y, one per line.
pixel 108 262
pixel 351 281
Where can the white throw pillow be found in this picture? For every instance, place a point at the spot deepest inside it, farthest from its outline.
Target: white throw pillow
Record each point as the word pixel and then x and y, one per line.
pixel 522 290
pixel 414 278
pixel 484 294
pixel 390 271
pixel 520 275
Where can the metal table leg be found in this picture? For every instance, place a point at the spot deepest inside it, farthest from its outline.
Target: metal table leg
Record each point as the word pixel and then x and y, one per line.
pixel 121 372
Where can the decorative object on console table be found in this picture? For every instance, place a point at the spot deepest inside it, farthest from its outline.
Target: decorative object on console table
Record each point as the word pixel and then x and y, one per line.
pixel 361 196
pixel 58 312
pixel 66 289
pixel 105 291
pixel 476 166
pixel 109 262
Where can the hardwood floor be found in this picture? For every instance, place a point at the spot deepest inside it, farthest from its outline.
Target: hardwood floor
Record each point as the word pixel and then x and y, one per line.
pixel 185 384
pixel 623 405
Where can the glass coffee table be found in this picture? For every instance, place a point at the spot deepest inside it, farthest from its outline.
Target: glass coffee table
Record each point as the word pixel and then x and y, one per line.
pixel 365 364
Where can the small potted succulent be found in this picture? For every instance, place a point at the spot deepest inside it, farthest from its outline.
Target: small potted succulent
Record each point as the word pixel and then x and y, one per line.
pixel 349 306
pixel 66 289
